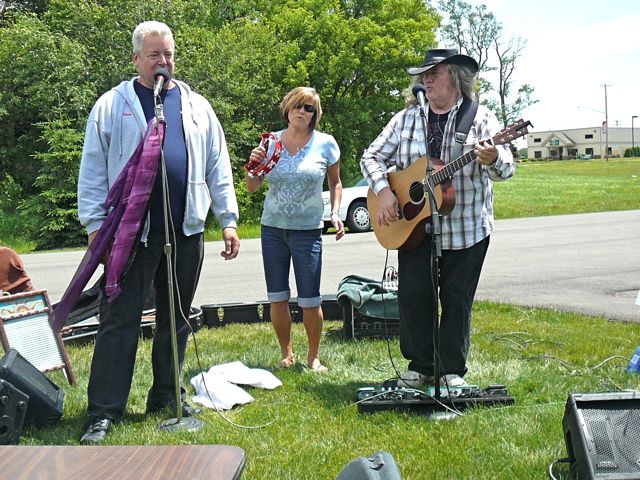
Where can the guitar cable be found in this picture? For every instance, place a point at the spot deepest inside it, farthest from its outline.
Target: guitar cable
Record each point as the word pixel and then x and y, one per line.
pixel 387 336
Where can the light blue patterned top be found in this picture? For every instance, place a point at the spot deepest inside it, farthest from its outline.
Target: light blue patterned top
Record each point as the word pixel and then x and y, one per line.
pixel 294 198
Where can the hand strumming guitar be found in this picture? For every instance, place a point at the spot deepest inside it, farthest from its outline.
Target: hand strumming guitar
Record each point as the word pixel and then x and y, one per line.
pixel 387 207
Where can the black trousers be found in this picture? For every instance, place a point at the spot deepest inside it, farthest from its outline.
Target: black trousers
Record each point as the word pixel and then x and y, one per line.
pixel 458 280
pixel 114 353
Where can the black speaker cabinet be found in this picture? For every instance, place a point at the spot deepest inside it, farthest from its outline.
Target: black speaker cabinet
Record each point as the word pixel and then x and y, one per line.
pixel 602 435
pixel 45 398
pixel 13 408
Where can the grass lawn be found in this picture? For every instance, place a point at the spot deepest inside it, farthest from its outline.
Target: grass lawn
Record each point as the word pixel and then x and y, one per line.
pixel 309 427
pixel 569 186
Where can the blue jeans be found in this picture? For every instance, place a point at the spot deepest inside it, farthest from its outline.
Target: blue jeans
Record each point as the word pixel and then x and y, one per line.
pixel 304 247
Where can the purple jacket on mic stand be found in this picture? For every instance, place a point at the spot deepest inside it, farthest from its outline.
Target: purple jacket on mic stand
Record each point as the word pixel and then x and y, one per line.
pixel 127 203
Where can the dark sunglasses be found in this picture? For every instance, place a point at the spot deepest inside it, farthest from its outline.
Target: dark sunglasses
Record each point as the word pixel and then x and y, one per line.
pixel 309 108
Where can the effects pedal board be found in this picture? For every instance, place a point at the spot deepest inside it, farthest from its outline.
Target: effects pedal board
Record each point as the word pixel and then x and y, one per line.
pixel 391 397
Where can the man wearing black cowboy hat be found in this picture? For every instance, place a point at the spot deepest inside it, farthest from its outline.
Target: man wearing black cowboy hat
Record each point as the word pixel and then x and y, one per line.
pixel 448 78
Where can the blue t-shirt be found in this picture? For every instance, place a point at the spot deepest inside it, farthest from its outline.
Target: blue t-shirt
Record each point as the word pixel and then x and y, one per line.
pixel 294 198
pixel 175 157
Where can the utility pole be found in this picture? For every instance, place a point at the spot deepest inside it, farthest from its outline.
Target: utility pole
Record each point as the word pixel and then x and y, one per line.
pixel 633 145
pixel 606 122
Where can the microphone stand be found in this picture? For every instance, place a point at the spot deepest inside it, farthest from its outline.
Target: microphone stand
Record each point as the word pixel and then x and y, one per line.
pixel 433 230
pixel 189 424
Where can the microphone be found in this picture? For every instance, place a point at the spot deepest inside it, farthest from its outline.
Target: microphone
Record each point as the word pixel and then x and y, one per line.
pixel 419 92
pixel 161 76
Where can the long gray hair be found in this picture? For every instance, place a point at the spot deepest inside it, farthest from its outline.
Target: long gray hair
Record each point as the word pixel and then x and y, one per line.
pixel 463 79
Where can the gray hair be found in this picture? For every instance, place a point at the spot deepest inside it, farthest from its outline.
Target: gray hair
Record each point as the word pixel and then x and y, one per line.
pixel 149 28
pixel 463 79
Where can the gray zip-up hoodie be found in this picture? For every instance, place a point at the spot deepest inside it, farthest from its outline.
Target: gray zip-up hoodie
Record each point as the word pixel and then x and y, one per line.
pixel 115 127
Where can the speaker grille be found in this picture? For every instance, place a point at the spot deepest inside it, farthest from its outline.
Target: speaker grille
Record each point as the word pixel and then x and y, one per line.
pixel 614 435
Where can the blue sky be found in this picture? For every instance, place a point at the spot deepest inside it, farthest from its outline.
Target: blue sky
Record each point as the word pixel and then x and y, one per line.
pixel 573 48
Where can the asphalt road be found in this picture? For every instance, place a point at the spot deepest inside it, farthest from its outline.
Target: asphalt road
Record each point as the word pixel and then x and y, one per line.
pixel 586 263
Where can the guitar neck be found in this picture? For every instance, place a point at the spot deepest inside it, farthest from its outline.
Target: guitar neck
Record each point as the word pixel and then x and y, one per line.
pixel 446 172
pixel 516 130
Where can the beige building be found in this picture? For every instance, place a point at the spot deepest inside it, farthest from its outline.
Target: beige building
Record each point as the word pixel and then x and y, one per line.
pixel 580 142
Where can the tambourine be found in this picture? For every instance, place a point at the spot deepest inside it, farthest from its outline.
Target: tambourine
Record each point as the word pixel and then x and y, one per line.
pixel 273 146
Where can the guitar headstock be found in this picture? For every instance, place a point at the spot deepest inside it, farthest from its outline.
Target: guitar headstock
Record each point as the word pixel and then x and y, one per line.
pixel 513 131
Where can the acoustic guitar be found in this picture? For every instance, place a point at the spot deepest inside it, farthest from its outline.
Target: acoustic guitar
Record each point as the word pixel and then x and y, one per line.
pixel 410 187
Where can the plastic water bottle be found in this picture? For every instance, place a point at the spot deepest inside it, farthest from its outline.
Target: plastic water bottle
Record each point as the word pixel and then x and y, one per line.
pixel 634 364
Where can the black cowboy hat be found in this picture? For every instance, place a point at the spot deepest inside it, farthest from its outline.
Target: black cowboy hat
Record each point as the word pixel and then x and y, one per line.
pixel 436 56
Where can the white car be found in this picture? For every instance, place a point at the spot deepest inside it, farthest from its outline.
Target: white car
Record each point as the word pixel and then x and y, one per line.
pixel 353 208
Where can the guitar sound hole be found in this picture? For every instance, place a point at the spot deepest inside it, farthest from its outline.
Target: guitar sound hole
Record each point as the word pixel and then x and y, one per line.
pixel 416 192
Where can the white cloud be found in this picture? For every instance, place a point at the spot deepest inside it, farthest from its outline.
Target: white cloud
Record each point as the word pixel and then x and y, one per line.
pixel 573 48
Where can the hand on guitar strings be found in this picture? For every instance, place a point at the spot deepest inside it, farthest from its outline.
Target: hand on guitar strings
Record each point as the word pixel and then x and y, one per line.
pixel 387 207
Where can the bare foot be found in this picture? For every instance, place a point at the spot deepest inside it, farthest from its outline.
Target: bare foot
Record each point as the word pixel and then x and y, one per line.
pixel 288 362
pixel 316 366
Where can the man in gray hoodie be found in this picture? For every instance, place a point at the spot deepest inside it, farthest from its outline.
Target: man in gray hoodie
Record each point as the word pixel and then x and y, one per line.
pixel 199 177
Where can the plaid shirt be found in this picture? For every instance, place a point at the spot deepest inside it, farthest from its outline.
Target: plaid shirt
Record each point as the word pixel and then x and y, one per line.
pixel 402 142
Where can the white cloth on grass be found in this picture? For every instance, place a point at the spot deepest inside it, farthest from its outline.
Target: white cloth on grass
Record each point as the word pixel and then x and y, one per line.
pixel 218 387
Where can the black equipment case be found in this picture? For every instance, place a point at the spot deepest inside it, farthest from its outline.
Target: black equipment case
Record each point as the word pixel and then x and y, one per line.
pixel 220 314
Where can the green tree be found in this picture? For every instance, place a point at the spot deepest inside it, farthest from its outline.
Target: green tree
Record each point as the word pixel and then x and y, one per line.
pixel 53 211
pixel 44 77
pixel 355 53
pixel 241 55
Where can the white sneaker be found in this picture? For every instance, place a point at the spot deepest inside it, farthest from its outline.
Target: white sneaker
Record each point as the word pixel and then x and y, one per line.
pixel 452 380
pixel 412 379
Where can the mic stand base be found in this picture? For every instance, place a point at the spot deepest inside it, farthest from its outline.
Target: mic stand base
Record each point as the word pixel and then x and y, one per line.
pixel 184 424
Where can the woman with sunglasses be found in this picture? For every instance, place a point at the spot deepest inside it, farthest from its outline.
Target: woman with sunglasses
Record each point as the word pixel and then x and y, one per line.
pixel 291 223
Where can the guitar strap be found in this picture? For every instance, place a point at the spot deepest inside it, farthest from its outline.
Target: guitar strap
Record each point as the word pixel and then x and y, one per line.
pixel 464 120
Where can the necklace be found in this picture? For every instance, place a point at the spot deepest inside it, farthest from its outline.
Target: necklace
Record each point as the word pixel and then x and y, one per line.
pixel 292 145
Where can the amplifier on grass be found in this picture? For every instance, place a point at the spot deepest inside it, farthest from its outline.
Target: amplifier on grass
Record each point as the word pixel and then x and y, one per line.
pixel 601 432
pixel 369 307
pixel 357 325
pixel 13 408
pixel 45 398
